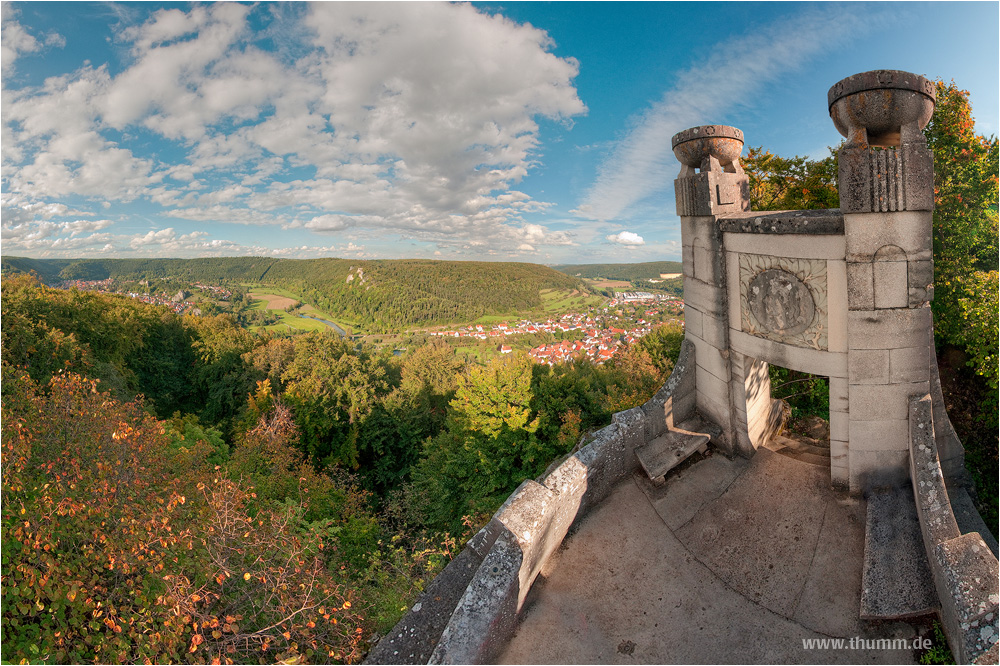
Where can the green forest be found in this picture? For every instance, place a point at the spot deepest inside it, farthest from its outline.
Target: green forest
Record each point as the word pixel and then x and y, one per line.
pixel 382 295
pixel 180 488
pixel 640 271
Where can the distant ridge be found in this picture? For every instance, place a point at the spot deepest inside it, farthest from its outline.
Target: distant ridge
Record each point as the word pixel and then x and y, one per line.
pixel 640 271
pixel 384 295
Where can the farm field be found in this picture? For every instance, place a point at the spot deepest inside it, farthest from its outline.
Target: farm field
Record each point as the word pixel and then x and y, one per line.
pixel 273 301
pixel 277 300
pixel 555 301
pixel 609 284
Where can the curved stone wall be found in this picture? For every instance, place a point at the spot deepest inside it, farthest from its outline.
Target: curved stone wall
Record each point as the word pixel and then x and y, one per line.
pixel 469 611
pixel 963 567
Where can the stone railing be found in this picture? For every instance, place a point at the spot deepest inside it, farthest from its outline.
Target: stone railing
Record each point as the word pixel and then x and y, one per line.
pixel 469 611
pixel 963 567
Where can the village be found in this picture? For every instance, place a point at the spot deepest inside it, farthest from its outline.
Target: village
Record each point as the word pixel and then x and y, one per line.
pixel 178 302
pixel 603 332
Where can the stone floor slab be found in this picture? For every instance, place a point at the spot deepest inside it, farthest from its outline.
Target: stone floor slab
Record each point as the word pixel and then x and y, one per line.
pixel 626 589
pixel 760 535
pixel 688 490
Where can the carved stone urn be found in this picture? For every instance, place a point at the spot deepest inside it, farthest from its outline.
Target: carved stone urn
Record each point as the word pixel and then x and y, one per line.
pixel 884 107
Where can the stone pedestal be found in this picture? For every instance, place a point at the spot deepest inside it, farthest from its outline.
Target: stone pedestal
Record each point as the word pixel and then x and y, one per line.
pixel 886 181
pixel 711 183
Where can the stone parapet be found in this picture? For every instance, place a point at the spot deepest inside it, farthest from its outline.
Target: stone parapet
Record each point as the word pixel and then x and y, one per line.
pixel 486 615
pixel 966 573
pixel 469 611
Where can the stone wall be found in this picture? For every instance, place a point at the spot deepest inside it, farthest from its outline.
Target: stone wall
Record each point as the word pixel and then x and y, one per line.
pixel 806 249
pixel 469 611
pixel 964 568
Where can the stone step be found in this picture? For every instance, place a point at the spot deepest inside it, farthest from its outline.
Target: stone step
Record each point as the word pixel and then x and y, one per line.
pixel 896 581
pixel 671 449
pixel 799 446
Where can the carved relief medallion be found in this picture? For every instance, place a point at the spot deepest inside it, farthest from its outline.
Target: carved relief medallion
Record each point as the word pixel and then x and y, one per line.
pixel 784 299
pixel 781 302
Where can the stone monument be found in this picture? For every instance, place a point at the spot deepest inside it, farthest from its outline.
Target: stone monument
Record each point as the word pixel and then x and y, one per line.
pixel 840 293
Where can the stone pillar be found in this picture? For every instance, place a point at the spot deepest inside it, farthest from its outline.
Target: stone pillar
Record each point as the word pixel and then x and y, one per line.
pixel 711 183
pixel 886 183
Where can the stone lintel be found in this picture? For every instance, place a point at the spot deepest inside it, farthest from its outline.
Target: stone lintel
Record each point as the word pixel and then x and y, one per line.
pixel 806 222
pixel 813 361
pixel 797 246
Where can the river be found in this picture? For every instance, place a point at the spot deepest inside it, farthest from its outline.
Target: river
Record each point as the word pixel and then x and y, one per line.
pixel 336 328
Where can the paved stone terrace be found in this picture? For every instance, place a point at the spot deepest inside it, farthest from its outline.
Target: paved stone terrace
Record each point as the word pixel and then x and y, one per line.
pixel 732 561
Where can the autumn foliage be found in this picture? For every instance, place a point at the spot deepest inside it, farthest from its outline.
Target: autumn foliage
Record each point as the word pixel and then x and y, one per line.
pixel 119 548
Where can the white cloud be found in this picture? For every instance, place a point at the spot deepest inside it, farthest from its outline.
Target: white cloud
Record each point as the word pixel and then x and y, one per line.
pixel 15 40
pixel 627 238
pixel 642 163
pixel 413 120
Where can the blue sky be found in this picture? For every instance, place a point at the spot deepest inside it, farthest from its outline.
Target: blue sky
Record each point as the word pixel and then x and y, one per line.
pixel 494 131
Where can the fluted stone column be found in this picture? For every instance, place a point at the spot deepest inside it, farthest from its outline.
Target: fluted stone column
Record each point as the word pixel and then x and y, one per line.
pixel 886 183
pixel 711 183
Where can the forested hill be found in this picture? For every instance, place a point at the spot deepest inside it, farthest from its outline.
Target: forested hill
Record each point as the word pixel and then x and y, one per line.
pixel 384 294
pixel 641 271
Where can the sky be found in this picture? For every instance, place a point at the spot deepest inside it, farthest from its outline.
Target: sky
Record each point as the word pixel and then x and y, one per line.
pixel 507 131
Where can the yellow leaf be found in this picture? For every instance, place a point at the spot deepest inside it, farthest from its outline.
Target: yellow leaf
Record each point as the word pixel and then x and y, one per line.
pixel 347 604
pixel 246 576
